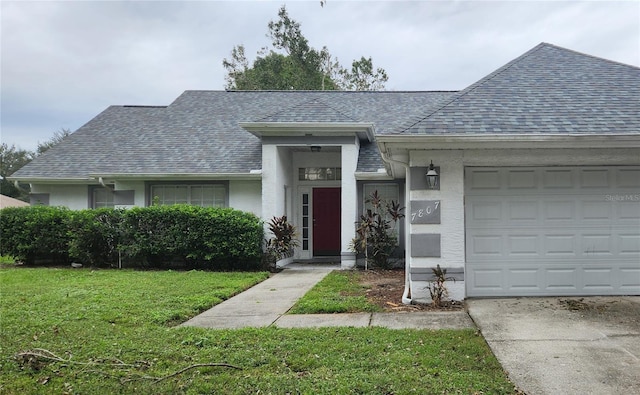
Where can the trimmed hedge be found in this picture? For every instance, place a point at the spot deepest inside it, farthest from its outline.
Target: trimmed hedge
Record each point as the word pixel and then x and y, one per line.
pixel 158 236
pixel 37 233
pixel 96 236
pixel 211 238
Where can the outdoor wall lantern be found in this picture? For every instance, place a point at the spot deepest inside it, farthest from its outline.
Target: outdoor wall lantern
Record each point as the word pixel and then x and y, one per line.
pixel 433 178
pixel 315 148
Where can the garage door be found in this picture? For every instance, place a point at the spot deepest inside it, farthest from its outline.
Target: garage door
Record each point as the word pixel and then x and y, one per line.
pixel 552 231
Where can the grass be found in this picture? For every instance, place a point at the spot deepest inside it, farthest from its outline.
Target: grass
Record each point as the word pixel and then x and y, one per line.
pixel 98 321
pixel 338 292
pixel 6 259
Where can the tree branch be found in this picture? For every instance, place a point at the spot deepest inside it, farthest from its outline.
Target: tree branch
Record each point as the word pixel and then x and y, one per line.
pixel 197 365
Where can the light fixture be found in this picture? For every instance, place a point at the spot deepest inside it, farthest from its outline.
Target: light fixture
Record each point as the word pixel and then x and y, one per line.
pixel 315 148
pixel 433 178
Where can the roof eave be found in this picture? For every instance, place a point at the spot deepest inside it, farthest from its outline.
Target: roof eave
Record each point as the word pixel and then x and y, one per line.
pixel 52 180
pixel 380 175
pixel 109 177
pixel 364 130
pixel 510 141
pixel 252 175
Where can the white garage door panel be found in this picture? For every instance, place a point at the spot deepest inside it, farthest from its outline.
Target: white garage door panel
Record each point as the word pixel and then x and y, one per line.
pixel 554 280
pixel 552 231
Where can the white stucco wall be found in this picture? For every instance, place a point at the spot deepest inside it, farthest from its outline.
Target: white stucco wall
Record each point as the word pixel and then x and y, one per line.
pixel 75 197
pixel 451 228
pixel 276 175
pixel 349 196
pixel 246 196
pixel 451 194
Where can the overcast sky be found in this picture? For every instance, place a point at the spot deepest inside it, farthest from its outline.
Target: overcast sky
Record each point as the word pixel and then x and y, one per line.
pixel 63 62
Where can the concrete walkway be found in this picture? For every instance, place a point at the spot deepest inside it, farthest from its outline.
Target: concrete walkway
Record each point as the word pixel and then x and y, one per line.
pixel 267 303
pixel 548 349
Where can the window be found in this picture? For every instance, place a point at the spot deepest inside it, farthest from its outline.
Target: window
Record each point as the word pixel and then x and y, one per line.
pixel 305 221
pixel 319 173
pixel 197 195
pixel 101 197
pixel 387 192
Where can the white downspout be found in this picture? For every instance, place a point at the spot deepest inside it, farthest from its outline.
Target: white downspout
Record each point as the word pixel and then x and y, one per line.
pixel 406 298
pixel 104 185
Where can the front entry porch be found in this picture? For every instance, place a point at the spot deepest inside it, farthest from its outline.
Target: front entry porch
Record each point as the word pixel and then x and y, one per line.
pixel 317 192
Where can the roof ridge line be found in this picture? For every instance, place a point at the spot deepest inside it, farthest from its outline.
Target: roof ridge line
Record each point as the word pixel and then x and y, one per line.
pixel 591 56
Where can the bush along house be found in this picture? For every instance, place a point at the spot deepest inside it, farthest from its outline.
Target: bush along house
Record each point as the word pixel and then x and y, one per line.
pixel 525 183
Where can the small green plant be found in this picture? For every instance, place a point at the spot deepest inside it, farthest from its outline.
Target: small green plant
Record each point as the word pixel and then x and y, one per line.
pixel 282 244
pixel 374 235
pixel 438 287
pixel 7 260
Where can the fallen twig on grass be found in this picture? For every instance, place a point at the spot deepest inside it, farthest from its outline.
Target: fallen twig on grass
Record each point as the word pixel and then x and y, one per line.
pixel 38 356
pixel 34 358
pixel 197 365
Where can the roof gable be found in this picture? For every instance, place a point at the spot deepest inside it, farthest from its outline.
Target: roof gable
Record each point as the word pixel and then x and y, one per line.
pixel 548 90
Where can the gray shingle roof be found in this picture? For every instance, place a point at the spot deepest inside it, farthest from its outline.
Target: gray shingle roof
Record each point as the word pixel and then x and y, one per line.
pixel 548 90
pixel 313 110
pixel 199 133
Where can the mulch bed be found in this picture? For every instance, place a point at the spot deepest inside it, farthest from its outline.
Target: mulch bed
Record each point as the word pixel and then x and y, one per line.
pixel 385 288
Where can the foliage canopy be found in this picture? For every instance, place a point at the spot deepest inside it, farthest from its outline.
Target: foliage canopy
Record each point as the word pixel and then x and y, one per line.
pixel 13 158
pixel 291 63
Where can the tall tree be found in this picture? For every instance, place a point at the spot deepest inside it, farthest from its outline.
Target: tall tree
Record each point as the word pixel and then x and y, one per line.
pixel 55 139
pixel 362 77
pixel 12 159
pixel 291 63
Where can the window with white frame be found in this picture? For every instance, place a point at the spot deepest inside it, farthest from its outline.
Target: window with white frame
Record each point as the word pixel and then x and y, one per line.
pixel 207 195
pixel 101 197
pixel 319 174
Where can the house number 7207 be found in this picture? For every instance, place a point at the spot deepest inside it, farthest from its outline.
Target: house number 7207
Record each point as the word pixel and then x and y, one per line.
pixel 425 212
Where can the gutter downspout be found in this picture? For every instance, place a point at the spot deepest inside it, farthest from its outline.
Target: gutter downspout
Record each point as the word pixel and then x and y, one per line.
pixel 406 298
pixel 101 181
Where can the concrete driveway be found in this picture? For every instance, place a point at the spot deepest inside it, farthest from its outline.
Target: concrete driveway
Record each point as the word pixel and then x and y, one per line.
pixel 564 345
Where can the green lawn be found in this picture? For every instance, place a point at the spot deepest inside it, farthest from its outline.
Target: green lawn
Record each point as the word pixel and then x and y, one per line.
pixel 112 332
pixel 338 292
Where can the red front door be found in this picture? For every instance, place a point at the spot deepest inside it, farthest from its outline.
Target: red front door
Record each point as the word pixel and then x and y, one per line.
pixel 326 221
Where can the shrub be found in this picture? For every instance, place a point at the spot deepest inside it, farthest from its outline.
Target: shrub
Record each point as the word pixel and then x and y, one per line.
pixel 374 236
pixel 147 237
pixel 207 238
pixel 281 245
pixel 36 234
pixel 96 235
pixel 196 237
pixel 226 239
